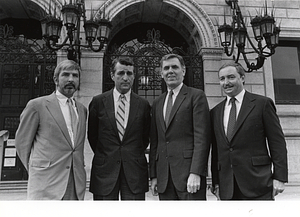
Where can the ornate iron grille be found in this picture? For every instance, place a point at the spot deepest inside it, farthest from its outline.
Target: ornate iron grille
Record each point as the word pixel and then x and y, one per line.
pixel 26 71
pixel 146 56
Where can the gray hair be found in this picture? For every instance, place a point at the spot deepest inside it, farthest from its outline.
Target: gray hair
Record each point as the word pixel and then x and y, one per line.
pixel 124 60
pixel 171 56
pixel 66 65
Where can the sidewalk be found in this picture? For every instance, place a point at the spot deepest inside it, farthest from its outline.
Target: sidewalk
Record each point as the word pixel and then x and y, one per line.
pixel 12 203
pixel 291 193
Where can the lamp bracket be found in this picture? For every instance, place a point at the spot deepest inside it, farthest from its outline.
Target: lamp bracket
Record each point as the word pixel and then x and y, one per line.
pixel 267 32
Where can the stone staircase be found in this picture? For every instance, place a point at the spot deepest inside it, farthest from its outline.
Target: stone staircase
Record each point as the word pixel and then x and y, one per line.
pixel 19 186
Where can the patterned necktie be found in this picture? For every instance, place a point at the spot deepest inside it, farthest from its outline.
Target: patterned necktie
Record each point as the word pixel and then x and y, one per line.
pixel 74 119
pixel 232 119
pixel 169 107
pixel 120 117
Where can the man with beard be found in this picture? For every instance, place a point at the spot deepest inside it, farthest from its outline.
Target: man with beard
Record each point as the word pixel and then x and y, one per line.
pixel 50 139
pixel 249 156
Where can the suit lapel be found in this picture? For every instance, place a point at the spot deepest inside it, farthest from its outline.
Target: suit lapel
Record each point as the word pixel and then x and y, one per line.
pixel 108 102
pixel 246 108
pixel 179 99
pixel 54 109
pixel 81 119
pixel 160 109
pixel 220 119
pixel 133 110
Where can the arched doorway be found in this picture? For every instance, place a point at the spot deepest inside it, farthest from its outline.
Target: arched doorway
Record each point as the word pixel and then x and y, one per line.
pixel 146 46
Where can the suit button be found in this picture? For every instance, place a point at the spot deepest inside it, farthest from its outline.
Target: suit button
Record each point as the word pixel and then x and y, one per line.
pixel 118 162
pixel 231 149
pixel 168 142
pixel 67 167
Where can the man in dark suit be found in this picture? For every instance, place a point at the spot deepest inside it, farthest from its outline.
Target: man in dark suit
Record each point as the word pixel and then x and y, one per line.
pixel 180 133
pixel 249 156
pixel 50 139
pixel 118 132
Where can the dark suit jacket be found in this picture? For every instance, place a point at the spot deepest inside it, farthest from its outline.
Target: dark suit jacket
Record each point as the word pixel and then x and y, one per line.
pixel 183 145
pixel 45 149
pixel 110 152
pixel 246 156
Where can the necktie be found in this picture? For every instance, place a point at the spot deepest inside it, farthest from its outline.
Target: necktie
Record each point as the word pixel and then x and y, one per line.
pixel 169 107
pixel 120 117
pixel 74 119
pixel 232 119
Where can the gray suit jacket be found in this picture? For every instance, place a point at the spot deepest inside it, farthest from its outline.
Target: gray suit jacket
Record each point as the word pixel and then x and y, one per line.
pixel 45 148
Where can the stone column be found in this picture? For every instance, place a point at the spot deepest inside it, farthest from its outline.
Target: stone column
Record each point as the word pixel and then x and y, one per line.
pixel 91 75
pixel 212 61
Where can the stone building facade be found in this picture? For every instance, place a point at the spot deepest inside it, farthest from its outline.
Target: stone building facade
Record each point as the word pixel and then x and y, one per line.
pixel 194 25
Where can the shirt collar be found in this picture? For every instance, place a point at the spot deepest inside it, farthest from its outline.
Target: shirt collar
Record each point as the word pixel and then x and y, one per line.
pixel 176 90
pixel 117 95
pixel 239 98
pixel 62 98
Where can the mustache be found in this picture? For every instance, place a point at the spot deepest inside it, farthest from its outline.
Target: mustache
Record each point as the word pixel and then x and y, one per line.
pixel 70 84
pixel 227 85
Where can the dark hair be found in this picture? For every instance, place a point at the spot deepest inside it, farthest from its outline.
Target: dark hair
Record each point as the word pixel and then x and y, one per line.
pixel 239 68
pixel 171 56
pixel 66 65
pixel 124 60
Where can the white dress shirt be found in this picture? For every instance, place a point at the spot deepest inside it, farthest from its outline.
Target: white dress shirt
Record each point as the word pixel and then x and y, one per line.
pixel 175 94
pixel 239 99
pixel 116 95
pixel 66 113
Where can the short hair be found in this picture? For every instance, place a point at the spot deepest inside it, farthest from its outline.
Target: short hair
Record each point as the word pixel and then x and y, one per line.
pixel 124 60
pixel 239 68
pixel 171 56
pixel 66 65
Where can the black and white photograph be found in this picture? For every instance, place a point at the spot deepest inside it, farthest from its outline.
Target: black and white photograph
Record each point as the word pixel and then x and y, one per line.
pixel 149 107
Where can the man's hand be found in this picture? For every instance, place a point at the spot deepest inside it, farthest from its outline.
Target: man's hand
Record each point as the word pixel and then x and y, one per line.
pixel 278 187
pixel 215 191
pixel 154 187
pixel 193 183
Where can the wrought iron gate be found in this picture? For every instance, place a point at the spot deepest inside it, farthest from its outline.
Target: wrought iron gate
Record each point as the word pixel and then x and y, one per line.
pixel 146 55
pixel 26 72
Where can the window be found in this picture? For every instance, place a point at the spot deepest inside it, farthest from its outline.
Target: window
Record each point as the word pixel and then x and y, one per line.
pixel 286 72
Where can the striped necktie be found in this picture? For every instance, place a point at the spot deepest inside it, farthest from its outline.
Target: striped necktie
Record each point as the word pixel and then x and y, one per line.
pixel 74 119
pixel 120 117
pixel 232 119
